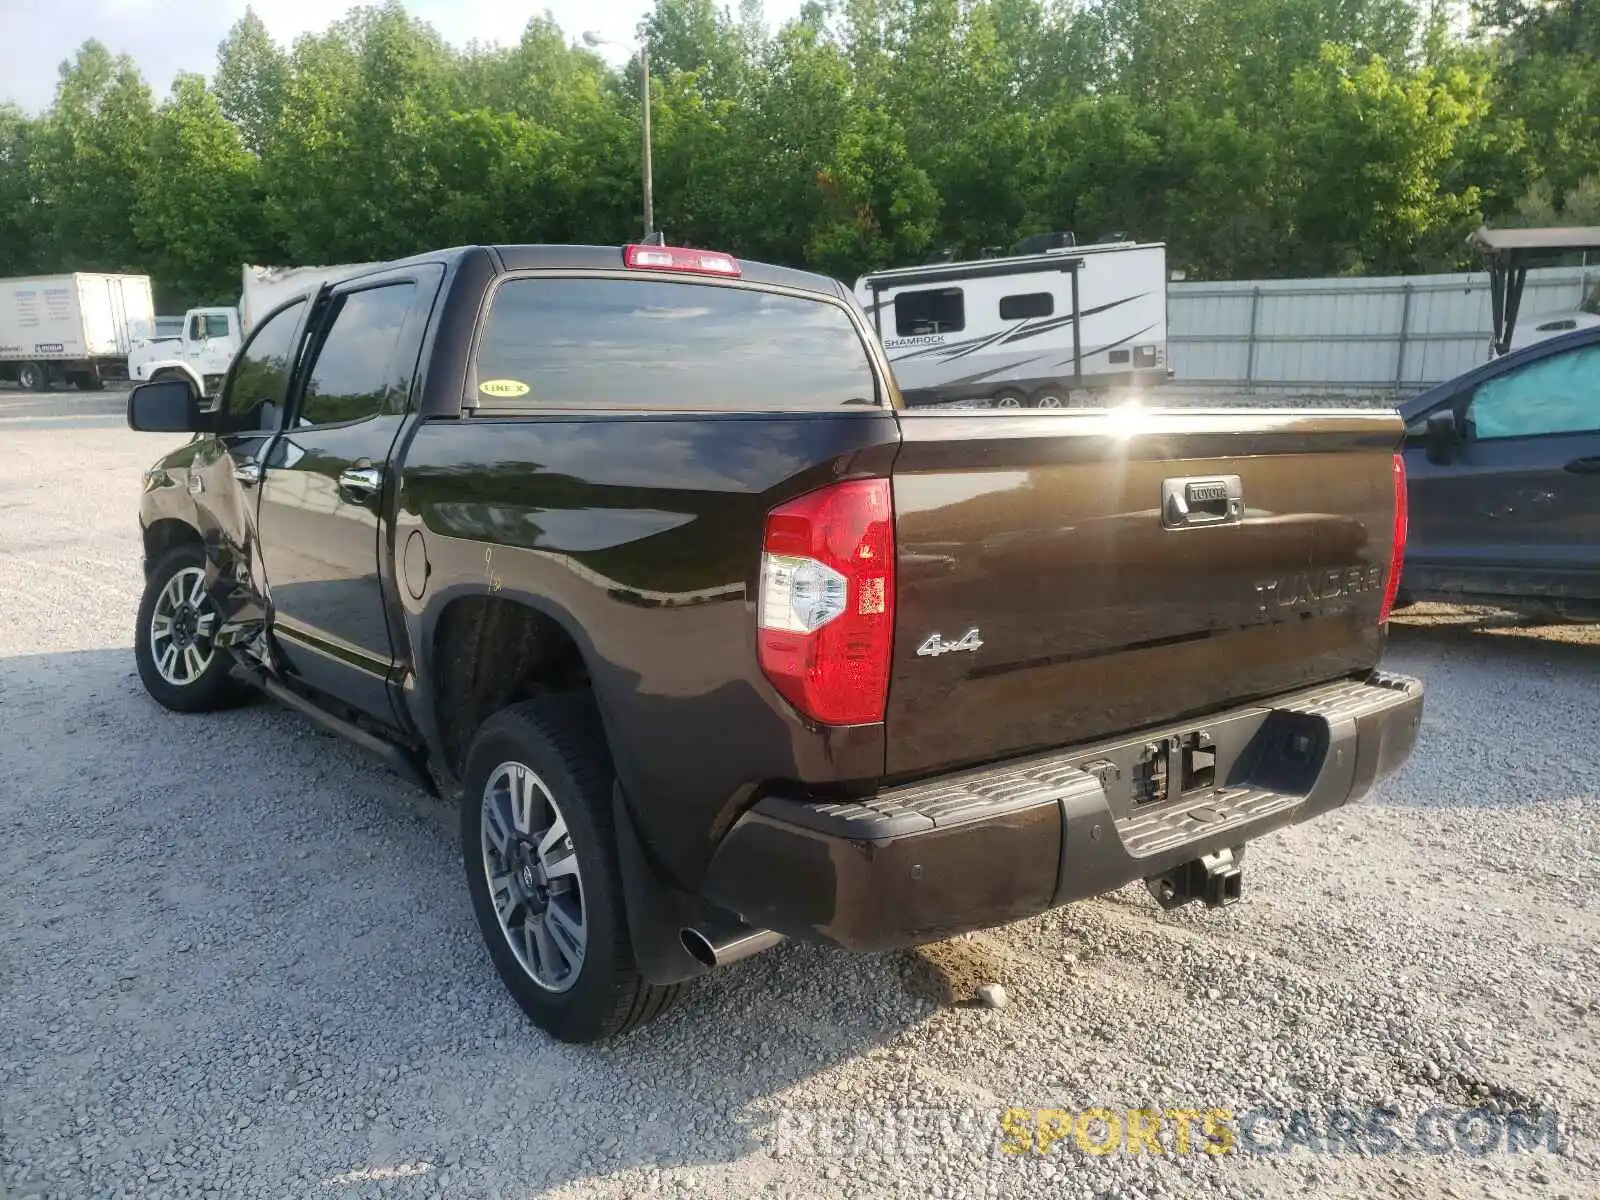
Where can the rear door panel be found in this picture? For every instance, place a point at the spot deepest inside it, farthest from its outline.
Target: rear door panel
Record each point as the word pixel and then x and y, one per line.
pixel 1045 533
pixel 1508 517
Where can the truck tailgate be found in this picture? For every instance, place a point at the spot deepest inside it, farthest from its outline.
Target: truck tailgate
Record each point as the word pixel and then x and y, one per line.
pixel 1063 577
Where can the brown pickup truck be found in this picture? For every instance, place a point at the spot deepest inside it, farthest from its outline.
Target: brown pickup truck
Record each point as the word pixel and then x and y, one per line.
pixel 639 553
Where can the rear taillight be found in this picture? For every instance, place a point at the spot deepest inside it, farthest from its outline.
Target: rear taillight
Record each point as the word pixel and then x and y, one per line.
pixel 825 613
pixel 680 258
pixel 1397 550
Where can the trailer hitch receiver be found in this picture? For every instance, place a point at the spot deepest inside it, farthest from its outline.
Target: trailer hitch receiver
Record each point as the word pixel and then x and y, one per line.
pixel 1214 878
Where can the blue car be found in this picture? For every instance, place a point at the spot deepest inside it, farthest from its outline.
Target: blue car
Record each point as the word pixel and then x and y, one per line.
pixel 1503 465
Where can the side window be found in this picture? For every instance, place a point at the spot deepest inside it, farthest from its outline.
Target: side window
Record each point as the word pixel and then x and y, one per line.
pixel 261 373
pixel 353 369
pixel 1559 394
pixel 1028 304
pixel 939 310
pixel 207 325
pixel 648 344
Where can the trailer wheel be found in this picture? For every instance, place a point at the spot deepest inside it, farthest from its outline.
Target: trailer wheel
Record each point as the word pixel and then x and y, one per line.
pixel 1010 398
pixel 33 378
pixel 1050 398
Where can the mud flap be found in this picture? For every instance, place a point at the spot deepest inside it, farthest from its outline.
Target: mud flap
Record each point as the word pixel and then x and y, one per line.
pixel 657 911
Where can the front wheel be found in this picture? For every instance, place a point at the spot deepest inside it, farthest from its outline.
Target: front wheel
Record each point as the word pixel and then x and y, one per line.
pixel 180 664
pixel 541 861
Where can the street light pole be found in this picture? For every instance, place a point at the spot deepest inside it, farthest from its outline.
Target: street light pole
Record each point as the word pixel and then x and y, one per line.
pixel 593 38
pixel 649 169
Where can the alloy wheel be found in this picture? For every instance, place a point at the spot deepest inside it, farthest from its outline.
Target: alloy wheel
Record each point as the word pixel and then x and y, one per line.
pixel 534 880
pixel 182 627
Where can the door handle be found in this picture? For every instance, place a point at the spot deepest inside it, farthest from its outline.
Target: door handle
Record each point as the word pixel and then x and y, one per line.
pixel 360 484
pixel 1584 466
pixel 247 472
pixel 1189 501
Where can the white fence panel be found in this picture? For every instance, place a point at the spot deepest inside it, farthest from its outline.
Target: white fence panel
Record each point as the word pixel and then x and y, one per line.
pixel 1393 335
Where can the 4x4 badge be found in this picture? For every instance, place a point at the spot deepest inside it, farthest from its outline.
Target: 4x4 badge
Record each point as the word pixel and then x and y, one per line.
pixel 936 645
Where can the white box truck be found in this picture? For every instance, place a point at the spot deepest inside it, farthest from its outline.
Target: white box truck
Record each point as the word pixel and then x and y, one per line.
pixel 1051 323
pixel 74 329
pixel 212 336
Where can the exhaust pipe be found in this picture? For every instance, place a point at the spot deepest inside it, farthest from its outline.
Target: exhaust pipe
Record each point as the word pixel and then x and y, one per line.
pixel 719 946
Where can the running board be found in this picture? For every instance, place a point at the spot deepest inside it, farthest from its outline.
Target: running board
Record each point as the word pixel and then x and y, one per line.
pixel 403 761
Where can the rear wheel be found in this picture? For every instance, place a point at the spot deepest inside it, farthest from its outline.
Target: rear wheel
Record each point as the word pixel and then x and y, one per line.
pixel 33 377
pixel 1050 398
pixel 179 662
pixel 541 861
pixel 1010 398
pixel 88 382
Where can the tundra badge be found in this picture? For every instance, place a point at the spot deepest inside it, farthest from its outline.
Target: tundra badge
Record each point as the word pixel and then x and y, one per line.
pixel 936 645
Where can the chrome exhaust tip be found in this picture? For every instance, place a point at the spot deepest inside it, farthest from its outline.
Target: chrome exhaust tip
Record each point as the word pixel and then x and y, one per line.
pixel 718 948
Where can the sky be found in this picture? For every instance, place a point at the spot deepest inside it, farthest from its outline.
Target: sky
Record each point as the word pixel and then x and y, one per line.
pixel 165 37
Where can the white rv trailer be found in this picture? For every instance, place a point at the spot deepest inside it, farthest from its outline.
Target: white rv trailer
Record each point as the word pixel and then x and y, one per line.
pixel 1026 330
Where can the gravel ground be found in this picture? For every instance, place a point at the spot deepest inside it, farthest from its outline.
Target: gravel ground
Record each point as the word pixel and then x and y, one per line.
pixel 236 960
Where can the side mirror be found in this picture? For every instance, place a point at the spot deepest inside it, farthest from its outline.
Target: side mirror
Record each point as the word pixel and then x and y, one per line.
pixel 1443 434
pixel 167 406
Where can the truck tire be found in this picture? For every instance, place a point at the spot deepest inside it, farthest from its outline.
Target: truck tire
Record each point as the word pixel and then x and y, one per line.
pixel 1051 397
pixel 87 382
pixel 179 665
pixel 541 861
pixel 32 377
pixel 1010 398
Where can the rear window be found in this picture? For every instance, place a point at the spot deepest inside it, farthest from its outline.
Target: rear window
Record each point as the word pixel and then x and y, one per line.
pixel 639 343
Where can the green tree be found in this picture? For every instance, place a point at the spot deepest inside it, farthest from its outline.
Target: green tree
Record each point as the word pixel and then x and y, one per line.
pixel 20 234
pixel 86 161
pixel 878 206
pixel 1539 208
pixel 350 174
pixel 199 200
pixel 1256 137
pixel 1364 152
pixel 252 74
pixel 698 38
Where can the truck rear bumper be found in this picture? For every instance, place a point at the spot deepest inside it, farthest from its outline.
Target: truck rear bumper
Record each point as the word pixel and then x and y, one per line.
pixel 982 847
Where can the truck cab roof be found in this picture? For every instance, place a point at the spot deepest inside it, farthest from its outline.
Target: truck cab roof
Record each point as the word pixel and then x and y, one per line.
pixel 537 257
